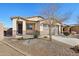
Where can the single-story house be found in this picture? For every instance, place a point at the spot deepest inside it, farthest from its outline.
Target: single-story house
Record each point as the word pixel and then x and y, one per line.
pixel 71 28
pixel 27 25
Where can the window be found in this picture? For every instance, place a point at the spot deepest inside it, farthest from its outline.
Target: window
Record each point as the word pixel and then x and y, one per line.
pixel 45 26
pixel 29 26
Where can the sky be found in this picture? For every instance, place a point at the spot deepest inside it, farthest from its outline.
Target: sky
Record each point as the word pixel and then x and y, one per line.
pixel 8 10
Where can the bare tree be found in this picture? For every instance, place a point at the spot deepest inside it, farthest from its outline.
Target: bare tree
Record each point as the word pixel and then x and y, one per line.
pixel 50 14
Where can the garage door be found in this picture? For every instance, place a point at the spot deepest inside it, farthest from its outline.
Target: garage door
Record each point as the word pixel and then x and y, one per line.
pixel 54 30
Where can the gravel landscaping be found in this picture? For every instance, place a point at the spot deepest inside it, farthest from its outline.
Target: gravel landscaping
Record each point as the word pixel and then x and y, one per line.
pixel 40 47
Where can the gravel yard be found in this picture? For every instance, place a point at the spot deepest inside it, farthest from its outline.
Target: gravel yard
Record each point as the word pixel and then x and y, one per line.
pixel 40 47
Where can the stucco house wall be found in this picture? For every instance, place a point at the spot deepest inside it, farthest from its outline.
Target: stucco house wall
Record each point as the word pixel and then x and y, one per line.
pixel 55 27
pixel 1 32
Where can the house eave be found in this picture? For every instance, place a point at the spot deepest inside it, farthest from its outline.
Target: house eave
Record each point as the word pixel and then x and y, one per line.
pixel 17 17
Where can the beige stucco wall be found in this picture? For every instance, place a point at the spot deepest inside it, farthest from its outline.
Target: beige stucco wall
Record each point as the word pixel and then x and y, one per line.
pixel 14 22
pixel 1 32
pixel 55 30
pixel 14 26
pixel 37 26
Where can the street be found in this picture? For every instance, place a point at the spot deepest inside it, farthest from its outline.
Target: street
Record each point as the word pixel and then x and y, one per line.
pixel 5 50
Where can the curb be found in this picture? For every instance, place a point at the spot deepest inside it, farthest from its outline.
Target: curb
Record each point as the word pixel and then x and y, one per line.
pixel 18 50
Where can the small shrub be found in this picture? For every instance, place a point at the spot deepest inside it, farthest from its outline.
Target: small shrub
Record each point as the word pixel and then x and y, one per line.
pixel 45 37
pixel 21 38
pixel 66 33
pixel 76 48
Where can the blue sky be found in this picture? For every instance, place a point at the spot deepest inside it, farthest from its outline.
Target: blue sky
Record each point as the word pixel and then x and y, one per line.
pixel 29 9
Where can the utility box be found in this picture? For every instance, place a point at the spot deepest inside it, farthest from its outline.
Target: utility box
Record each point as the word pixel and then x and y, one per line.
pixel 1 32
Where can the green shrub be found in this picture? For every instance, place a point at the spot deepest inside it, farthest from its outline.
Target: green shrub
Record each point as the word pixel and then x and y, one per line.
pixel 21 38
pixel 45 37
pixel 66 33
pixel 36 34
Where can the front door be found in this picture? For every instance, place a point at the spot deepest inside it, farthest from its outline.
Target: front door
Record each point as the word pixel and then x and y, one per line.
pixel 19 26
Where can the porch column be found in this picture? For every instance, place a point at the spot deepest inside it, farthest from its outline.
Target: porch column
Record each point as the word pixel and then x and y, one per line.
pixel 37 26
pixel 60 29
pixel 14 31
pixel 41 29
pixel 24 28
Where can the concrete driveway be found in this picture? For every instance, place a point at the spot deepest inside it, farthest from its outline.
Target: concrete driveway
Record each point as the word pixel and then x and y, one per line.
pixel 67 40
pixel 5 50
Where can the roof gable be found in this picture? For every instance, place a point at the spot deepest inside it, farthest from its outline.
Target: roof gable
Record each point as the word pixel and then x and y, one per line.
pixel 34 18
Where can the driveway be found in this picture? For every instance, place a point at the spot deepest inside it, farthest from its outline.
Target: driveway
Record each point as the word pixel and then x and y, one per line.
pixel 67 40
pixel 5 50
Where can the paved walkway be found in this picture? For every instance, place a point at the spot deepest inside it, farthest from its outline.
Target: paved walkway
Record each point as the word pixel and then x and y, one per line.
pixel 67 40
pixel 6 50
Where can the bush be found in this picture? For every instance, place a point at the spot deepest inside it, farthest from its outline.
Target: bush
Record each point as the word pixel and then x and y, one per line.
pixel 36 34
pixel 21 38
pixel 66 33
pixel 77 47
pixel 45 37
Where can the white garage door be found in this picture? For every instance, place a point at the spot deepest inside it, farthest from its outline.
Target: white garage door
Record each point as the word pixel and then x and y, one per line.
pixel 54 30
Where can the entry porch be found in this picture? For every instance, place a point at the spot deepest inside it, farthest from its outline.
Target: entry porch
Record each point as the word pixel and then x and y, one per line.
pixel 23 27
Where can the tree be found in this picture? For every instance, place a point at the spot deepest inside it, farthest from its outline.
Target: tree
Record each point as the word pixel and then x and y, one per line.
pixel 50 14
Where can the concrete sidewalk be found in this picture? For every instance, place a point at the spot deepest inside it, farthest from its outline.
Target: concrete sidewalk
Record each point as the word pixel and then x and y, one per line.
pixel 67 40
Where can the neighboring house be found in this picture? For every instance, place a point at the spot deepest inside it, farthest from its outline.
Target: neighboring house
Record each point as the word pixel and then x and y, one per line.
pixel 23 26
pixel 8 32
pixel 71 28
pixel 75 28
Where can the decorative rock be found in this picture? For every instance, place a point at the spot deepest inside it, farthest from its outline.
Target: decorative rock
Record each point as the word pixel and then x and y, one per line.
pixel 76 48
